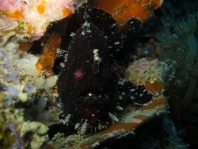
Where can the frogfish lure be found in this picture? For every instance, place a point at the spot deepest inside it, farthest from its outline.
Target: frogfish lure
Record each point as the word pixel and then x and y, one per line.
pixel 87 86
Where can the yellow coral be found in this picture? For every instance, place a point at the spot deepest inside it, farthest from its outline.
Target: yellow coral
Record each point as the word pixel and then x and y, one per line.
pixel 6 136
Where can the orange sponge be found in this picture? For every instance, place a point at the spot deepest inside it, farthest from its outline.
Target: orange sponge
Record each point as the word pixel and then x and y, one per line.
pixel 46 61
pixel 156 87
pixel 123 10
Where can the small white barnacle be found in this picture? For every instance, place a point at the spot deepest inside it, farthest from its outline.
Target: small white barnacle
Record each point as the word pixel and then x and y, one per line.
pixel 118 10
pixel 59 51
pixel 77 125
pixel 147 92
pixel 96 55
pixel 101 126
pixel 72 34
pixel 83 33
pixel 86 24
pixel 62 64
pixel 144 90
pixel 116 43
pixel 132 97
pixel 123 93
pixel 113 117
pixel 66 120
pixel 109 47
pixel 121 82
pixel 113 25
pixel 95 144
pixel 88 31
pixel 132 90
pixel 84 127
pixel 119 108
pixel 141 95
pixel 126 5
pixel 120 97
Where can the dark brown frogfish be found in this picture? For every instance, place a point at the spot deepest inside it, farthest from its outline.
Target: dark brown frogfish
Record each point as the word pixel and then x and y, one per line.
pixel 87 86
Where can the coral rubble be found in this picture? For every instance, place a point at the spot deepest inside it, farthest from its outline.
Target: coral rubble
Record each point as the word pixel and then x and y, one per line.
pixel 20 82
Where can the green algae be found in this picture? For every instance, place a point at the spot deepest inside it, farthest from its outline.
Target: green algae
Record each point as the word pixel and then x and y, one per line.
pixel 7 138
